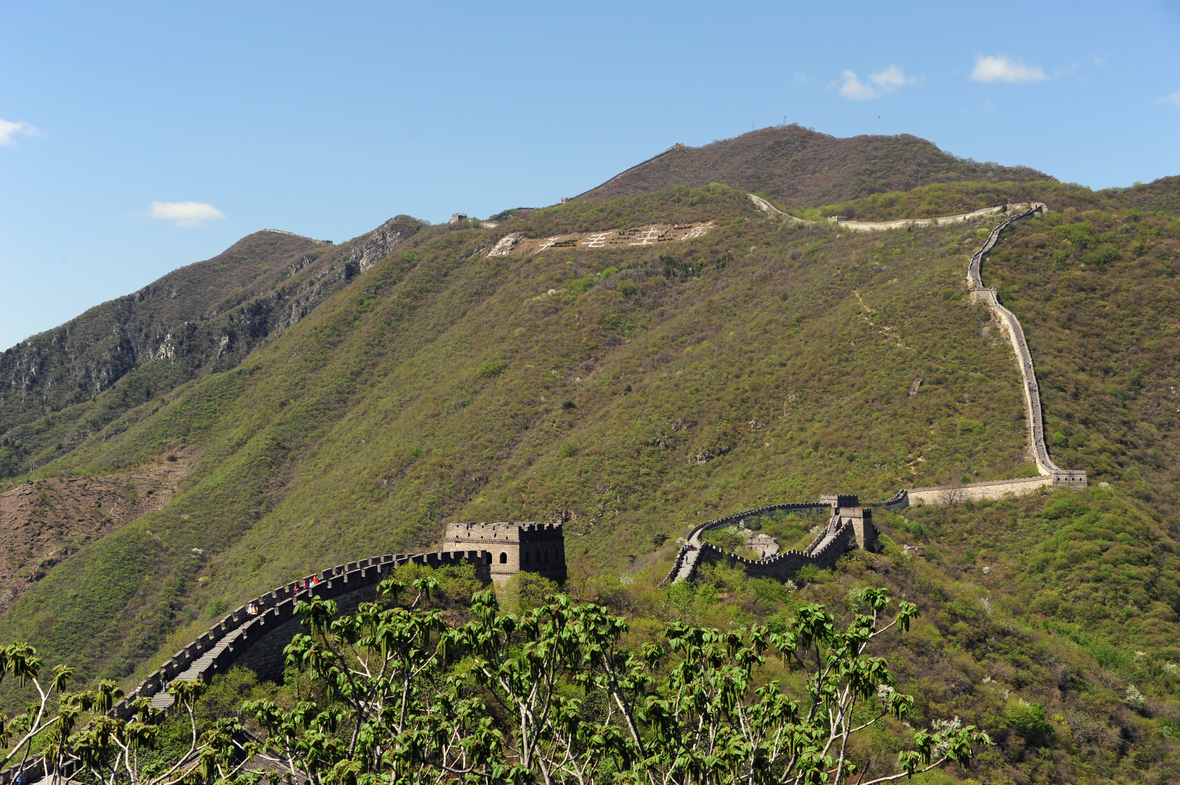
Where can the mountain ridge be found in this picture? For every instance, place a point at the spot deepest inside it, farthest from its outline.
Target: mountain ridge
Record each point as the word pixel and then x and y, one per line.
pixel 795 166
pixel 632 391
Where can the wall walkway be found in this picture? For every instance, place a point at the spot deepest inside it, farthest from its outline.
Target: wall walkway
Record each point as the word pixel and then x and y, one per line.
pixel 257 641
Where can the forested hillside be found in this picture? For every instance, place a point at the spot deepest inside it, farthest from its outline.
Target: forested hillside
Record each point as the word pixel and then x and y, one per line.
pixel 631 392
pixel 625 392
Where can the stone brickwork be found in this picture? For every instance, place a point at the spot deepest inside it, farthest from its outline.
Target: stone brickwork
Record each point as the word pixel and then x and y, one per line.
pixel 230 641
pixel 849 528
pixel 256 640
pixel 850 523
pixel 514 547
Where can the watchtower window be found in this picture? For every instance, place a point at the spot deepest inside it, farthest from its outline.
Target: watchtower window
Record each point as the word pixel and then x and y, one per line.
pixel 526 557
pixel 503 558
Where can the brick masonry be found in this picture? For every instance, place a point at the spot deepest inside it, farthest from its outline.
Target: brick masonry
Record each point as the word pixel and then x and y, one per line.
pixel 256 640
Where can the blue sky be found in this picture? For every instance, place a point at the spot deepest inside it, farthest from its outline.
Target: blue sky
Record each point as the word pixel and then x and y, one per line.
pixel 137 138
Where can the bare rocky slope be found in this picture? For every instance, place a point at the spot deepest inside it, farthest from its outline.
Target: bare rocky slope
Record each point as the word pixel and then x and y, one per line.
pixel 46 520
pixel 801 168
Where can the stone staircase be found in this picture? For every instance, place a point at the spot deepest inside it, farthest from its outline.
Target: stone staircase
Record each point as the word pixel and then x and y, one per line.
pixel 204 664
pixel 687 565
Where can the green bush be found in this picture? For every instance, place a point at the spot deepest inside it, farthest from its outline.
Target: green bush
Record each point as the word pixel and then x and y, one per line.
pixel 1028 721
pixel 491 369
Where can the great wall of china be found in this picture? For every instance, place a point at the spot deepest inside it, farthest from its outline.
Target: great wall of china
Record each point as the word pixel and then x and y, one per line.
pixel 229 641
pixel 846 525
pixel 256 633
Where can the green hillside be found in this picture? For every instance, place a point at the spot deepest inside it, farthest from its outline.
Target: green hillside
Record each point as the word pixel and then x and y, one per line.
pixel 653 387
pixel 633 392
pixel 62 386
pixel 801 168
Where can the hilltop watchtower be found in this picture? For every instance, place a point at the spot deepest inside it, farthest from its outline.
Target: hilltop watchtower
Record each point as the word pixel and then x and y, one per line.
pixel 514 547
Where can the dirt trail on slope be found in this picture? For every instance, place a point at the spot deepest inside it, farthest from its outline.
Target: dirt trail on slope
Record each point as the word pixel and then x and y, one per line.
pixel 44 521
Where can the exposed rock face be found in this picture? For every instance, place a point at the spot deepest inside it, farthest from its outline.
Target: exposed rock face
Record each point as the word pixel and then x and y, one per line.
pixel 377 244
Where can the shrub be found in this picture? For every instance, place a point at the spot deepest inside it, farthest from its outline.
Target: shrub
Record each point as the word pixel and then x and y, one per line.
pixel 1028 721
pixel 491 369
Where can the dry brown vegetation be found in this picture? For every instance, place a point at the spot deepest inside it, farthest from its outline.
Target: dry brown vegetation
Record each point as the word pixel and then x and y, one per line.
pixel 802 168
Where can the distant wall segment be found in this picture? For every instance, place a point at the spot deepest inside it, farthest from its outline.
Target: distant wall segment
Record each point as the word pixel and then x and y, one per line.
pixel 1010 325
pixel 848 528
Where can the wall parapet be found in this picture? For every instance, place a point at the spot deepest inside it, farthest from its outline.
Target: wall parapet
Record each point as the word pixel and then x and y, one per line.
pixel 229 639
pixel 1010 325
pixel 693 543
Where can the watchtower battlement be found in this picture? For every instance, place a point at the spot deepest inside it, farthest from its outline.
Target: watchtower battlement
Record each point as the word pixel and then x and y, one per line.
pixel 514 547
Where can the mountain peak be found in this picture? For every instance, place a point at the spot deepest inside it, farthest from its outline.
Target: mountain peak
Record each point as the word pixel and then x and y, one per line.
pixel 803 168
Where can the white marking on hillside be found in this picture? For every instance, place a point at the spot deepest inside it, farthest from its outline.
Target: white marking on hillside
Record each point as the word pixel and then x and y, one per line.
pixel 597 240
pixel 504 247
pixel 648 236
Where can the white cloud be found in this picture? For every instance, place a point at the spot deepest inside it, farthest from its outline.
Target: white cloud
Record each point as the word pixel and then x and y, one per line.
pixel 1173 99
pixel 890 79
pixel 9 130
pixel 1002 68
pixel 855 89
pixel 886 81
pixel 184 213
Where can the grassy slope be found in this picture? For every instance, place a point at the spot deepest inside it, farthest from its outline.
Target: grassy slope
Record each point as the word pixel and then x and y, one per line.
pixel 64 385
pixel 931 201
pixel 440 385
pixel 1056 605
pixel 1097 295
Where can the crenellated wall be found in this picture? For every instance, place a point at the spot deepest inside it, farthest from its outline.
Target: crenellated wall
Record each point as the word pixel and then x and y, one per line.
pixel 532 547
pixel 849 528
pixel 257 640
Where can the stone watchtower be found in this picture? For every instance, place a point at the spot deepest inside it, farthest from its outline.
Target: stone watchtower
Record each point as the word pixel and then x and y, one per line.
pixel 514 547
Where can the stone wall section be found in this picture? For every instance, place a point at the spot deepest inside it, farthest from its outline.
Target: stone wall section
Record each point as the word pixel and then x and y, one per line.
pixel 849 528
pixel 234 639
pixel 1010 325
pixel 849 524
pixel 514 547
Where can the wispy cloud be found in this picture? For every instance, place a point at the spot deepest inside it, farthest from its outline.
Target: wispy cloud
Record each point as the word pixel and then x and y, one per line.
pixel 885 81
pixel 184 213
pixel 1173 99
pixel 890 79
pixel 1002 68
pixel 8 130
pixel 855 89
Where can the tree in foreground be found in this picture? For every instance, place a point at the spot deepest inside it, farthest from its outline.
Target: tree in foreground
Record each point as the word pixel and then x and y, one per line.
pixel 553 696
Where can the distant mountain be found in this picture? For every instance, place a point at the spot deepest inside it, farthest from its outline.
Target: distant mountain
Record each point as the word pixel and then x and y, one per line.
pixel 802 168
pixel 203 317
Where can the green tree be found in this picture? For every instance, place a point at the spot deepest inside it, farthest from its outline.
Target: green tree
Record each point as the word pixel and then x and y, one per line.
pixel 549 695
